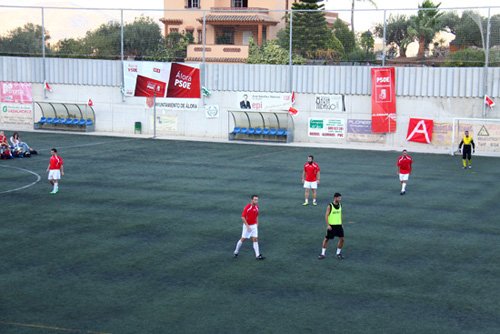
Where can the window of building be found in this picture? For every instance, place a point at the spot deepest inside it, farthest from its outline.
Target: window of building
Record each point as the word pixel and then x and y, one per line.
pixel 192 4
pixel 225 36
pixel 200 37
pixel 239 3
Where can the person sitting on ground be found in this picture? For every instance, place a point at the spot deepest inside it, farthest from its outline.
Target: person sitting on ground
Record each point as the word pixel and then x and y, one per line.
pixel 19 145
pixel 4 147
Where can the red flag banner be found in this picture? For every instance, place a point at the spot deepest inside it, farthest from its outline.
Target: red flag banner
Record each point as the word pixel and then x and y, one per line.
pixel 420 130
pixel 489 101
pixel 383 99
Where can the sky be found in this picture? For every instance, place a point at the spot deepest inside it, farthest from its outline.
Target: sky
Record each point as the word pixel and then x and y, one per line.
pixel 71 23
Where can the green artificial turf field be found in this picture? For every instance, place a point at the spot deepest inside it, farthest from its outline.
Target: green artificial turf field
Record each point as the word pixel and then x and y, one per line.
pixel 140 237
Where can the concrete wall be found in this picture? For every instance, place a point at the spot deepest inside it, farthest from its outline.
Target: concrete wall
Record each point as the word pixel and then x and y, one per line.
pixel 117 116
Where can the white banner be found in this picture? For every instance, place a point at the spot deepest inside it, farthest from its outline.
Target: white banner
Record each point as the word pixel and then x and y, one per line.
pixel 333 103
pixel 20 115
pixel 176 104
pixel 212 111
pixel 259 101
pixel 326 128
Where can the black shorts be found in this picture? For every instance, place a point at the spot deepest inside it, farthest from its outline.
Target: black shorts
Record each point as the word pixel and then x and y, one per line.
pixel 336 231
pixel 467 152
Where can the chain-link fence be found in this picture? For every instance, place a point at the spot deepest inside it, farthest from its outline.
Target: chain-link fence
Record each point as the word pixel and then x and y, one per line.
pixel 420 37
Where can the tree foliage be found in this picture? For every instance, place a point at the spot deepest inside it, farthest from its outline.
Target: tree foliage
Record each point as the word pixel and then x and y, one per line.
pixel 25 40
pixel 425 25
pixel 142 38
pixel 309 29
pixel 397 35
pixel 344 35
pixel 271 53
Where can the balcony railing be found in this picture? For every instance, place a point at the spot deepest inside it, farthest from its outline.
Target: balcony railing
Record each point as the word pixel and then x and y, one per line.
pixel 218 53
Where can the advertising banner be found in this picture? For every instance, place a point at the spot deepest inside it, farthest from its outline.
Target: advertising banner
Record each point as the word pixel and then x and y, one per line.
pixel 259 101
pixel 360 130
pixel 441 135
pixel 15 92
pixel 18 115
pixel 420 130
pixel 173 104
pixel 162 80
pixel 332 128
pixel 383 100
pixel 334 103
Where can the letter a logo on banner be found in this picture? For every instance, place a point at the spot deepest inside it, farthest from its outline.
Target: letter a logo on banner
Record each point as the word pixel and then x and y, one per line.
pixel 420 130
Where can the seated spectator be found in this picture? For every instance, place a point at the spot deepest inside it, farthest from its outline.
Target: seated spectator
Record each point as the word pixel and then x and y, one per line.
pixel 20 146
pixel 4 147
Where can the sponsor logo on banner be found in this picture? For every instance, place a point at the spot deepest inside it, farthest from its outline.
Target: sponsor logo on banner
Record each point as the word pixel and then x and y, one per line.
pixel 420 130
pixel 383 100
pixel 326 128
pixel 442 134
pixel 262 101
pixel 15 92
pixel 161 80
pixel 212 111
pixel 329 103
pixel 165 124
pixel 20 115
pixel 360 130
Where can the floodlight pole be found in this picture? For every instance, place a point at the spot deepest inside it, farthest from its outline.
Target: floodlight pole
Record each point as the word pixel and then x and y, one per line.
pixel 122 57
pixel 43 54
pixel 486 62
pixel 154 115
pixel 290 59
pixel 384 38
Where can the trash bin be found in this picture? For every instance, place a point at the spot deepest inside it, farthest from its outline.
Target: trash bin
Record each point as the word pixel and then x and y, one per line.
pixel 138 127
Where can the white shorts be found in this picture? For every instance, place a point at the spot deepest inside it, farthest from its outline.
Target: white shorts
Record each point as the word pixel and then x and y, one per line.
pixel 253 233
pixel 311 185
pixel 403 177
pixel 54 174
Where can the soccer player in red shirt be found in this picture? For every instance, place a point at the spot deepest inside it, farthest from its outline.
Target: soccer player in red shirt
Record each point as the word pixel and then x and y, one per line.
pixel 250 218
pixel 55 170
pixel 310 179
pixel 404 170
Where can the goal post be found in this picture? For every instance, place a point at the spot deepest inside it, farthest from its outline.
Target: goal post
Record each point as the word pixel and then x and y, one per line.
pixel 485 132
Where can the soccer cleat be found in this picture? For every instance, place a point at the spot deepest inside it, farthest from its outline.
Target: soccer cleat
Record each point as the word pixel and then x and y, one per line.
pixel 340 257
pixel 314 203
pixel 52 192
pixel 402 193
pixel 235 255
pixel 305 203
pixel 260 257
pixel 465 167
pixel 321 257
pixel 470 167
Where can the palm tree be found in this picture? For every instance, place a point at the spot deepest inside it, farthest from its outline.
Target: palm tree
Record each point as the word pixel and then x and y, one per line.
pixel 352 11
pixel 426 24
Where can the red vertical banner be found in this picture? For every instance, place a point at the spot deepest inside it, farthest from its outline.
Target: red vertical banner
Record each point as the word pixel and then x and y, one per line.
pixel 383 99
pixel 184 82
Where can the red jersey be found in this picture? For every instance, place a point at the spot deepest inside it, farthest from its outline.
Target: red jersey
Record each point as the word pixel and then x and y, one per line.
pixel 311 171
pixel 55 162
pixel 250 213
pixel 3 140
pixel 404 164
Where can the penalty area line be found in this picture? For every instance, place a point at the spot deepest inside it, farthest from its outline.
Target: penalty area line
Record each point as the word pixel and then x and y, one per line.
pixel 38 178
pixel 54 328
